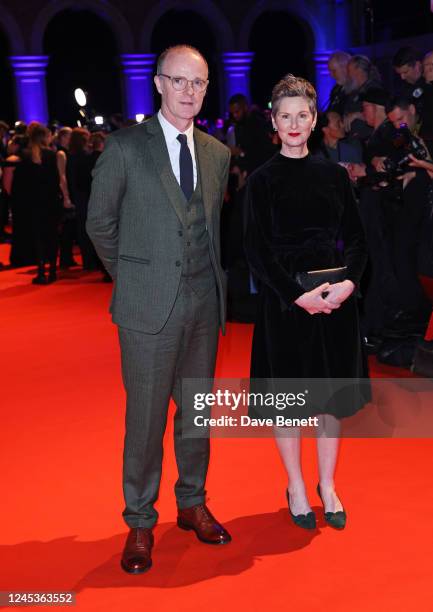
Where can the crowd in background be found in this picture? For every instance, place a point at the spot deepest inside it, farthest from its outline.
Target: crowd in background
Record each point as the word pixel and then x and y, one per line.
pixel 384 139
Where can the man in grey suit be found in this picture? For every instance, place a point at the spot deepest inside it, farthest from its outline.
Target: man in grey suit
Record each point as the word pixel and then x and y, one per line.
pixel 154 219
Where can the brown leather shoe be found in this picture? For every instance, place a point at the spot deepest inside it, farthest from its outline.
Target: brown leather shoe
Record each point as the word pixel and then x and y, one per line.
pixel 136 557
pixel 206 527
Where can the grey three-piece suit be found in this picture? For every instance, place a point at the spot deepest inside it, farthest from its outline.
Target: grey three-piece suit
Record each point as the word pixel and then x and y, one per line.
pixel 163 253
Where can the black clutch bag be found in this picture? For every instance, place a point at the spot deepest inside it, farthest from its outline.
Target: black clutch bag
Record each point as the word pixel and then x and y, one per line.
pixel 314 278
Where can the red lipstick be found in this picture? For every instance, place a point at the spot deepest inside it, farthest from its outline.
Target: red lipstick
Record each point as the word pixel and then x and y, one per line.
pixel 294 133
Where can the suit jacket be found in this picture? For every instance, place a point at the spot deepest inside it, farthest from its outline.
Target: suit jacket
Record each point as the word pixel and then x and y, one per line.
pixel 135 221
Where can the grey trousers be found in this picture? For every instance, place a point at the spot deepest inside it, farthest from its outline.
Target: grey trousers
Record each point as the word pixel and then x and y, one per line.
pixel 153 366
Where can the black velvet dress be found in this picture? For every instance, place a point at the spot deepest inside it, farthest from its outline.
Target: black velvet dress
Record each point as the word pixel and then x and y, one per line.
pixel 296 211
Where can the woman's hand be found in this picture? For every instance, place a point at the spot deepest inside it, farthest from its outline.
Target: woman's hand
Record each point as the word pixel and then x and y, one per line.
pixel 339 292
pixel 313 302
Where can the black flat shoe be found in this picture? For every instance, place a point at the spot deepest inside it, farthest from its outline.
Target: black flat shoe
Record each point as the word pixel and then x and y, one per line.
pixel 337 520
pixel 40 279
pixel 306 521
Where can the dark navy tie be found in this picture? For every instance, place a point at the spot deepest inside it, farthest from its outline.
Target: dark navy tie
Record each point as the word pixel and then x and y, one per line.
pixel 185 167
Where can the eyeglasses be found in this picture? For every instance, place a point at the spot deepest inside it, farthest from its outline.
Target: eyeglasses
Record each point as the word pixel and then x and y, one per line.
pixel 181 83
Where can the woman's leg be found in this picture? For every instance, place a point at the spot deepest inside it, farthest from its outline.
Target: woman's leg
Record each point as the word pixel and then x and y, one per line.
pixel 290 451
pixel 328 444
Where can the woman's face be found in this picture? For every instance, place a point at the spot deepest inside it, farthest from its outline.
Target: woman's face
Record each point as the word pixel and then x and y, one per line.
pixel 294 121
pixel 12 148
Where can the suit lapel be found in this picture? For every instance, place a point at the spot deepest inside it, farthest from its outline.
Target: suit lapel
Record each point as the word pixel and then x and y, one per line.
pixel 159 152
pixel 204 171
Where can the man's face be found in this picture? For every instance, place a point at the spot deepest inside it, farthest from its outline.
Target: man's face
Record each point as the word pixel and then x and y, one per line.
pixel 335 127
pixel 399 115
pixel 237 111
pixel 409 73
pixel 369 113
pixel 180 107
pixel 338 72
pixel 355 75
pixel 427 67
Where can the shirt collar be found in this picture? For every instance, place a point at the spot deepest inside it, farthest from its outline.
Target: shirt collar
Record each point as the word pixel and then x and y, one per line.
pixel 171 132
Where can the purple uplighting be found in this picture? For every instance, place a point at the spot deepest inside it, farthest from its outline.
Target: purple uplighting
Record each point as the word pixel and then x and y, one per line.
pixel 29 71
pixel 324 81
pixel 237 68
pixel 138 70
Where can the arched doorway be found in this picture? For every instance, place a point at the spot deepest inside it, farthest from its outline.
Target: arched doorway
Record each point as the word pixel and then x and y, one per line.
pixel 188 27
pixel 83 53
pixel 7 107
pixel 282 43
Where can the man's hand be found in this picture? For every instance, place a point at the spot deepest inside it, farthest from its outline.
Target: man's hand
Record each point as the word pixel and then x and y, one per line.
pixel 421 163
pixel 377 163
pixel 356 171
pixel 313 302
pixel 406 178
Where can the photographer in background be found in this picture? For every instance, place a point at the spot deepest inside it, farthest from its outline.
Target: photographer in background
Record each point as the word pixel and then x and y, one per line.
pixel 410 217
pixel 426 131
pixel 377 206
pixel 253 145
pixel 407 64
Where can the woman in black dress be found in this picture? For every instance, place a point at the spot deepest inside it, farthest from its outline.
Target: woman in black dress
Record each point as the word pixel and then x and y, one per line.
pixel 36 186
pixel 297 207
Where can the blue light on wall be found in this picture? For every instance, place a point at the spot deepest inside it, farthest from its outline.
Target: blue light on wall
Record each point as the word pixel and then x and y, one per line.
pixel 29 71
pixel 138 70
pixel 324 81
pixel 237 68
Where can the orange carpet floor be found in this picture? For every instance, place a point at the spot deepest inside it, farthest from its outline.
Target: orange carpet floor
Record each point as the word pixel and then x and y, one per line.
pixel 61 446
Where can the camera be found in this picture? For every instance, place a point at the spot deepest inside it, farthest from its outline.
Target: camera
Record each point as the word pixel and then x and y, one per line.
pixel 406 142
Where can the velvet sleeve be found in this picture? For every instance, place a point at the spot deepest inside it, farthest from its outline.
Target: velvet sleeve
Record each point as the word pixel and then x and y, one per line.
pixel 262 260
pixel 352 232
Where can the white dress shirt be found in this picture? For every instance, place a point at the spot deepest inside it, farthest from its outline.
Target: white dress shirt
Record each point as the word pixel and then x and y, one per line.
pixel 173 145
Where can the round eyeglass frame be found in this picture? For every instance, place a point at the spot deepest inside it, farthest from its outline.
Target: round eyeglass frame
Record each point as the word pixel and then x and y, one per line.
pixel 197 89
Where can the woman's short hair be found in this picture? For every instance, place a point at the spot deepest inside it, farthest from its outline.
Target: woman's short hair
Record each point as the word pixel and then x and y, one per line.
pixel 294 87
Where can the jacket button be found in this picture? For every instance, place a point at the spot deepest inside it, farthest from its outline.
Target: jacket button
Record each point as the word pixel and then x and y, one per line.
pixel 180 232
pixel 177 263
pixel 188 244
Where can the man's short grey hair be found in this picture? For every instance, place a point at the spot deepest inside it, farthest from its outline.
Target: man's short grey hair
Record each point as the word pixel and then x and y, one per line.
pixel 174 48
pixel 340 57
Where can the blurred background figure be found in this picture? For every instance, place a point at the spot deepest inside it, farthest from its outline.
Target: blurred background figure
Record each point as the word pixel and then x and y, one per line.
pixel 407 64
pixel 36 193
pixel 68 228
pixel 337 65
pixel 81 161
pixel 22 249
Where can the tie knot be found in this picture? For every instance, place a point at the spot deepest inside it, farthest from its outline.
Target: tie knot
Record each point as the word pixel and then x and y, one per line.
pixel 182 139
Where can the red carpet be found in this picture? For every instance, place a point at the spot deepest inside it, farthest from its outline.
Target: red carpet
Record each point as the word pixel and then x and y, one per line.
pixel 62 426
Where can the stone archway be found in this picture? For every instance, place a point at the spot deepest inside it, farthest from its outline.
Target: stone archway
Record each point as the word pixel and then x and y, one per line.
pixel 208 10
pixel 12 31
pixel 102 9
pixel 295 8
pixel 320 27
